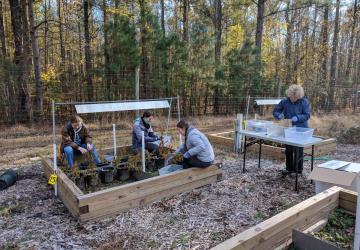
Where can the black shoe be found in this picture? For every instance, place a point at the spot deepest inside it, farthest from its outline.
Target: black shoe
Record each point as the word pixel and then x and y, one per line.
pixel 285 173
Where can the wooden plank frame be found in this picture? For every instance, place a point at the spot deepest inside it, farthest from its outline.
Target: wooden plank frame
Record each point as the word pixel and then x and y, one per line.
pixel 223 141
pixel 309 215
pixel 114 200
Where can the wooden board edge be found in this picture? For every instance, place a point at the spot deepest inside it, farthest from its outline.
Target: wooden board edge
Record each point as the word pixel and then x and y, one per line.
pixel 258 230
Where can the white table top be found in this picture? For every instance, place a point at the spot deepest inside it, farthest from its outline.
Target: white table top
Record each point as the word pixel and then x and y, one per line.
pixel 282 140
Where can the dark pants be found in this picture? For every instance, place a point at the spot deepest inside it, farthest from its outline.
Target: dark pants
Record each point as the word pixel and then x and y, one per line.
pixel 151 147
pixel 194 162
pixel 290 158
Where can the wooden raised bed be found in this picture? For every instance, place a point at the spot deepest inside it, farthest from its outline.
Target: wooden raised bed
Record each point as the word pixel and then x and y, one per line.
pixel 114 200
pixel 308 216
pixel 226 142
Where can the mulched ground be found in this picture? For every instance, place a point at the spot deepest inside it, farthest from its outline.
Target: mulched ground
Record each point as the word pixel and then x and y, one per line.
pixel 30 216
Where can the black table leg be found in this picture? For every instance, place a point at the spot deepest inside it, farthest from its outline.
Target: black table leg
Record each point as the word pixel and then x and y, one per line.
pixel 260 142
pixel 244 154
pixel 312 157
pixel 296 167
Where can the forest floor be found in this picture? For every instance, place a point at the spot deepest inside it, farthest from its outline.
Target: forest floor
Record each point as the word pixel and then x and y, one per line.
pixel 31 217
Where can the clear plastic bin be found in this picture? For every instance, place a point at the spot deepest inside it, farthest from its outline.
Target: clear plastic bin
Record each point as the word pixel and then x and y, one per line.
pixel 258 125
pixel 275 131
pixel 298 134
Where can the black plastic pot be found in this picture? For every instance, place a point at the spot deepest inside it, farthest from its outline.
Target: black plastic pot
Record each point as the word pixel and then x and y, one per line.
pixel 123 173
pixel 84 165
pixel 103 164
pixel 8 179
pixel 107 174
pixel 90 181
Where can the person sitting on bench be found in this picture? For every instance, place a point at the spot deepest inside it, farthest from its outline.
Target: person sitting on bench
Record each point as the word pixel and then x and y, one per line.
pixel 143 124
pixel 197 150
pixel 76 140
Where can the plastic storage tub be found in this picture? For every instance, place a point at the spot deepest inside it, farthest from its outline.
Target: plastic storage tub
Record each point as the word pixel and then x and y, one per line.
pixel 275 130
pixel 299 134
pixel 258 125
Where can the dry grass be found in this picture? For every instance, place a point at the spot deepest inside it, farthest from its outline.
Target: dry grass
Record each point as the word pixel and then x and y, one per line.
pixel 334 125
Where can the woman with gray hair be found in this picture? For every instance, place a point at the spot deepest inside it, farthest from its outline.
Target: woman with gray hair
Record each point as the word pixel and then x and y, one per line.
pixel 297 108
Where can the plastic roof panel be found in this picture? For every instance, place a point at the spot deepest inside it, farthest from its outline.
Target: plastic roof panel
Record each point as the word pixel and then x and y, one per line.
pixel 120 106
pixel 262 102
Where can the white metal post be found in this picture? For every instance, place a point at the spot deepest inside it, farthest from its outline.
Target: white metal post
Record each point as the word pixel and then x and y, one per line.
pixel 143 151
pixel 238 137
pixel 137 86
pixel 247 108
pixel 178 107
pixel 54 144
pixel 114 137
pixel 357 220
pixel 168 120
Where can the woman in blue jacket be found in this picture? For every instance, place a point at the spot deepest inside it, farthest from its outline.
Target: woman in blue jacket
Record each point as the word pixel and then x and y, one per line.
pixel 297 108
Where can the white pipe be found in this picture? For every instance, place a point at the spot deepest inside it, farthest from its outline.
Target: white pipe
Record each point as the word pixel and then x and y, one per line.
pixel 143 151
pixel 54 145
pixel 114 136
pixel 357 223
pixel 178 107
pixel 168 120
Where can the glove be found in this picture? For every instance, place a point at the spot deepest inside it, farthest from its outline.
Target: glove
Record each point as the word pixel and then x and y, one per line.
pixel 294 119
pixel 187 155
pixel 281 116
pixel 157 137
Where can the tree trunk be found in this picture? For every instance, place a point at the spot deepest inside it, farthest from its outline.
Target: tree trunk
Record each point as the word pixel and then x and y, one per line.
pixel 351 43
pixel 25 92
pixel 331 93
pixel 2 32
pixel 162 17
pixel 324 50
pixel 143 41
pixel 288 45
pixel 218 33
pixel 36 61
pixel 46 30
pixel 106 53
pixel 186 21
pixel 62 48
pixel 259 25
pixel 88 59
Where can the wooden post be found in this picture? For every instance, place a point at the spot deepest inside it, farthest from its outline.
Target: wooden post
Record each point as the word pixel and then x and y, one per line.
pixel 238 137
pixel 357 221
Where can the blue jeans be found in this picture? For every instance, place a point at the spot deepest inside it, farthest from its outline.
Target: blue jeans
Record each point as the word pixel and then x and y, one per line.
pixel 70 154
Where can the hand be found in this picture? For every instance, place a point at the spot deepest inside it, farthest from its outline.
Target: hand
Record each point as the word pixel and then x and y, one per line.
pixel 82 150
pixel 294 119
pixel 187 155
pixel 281 116
pixel 89 147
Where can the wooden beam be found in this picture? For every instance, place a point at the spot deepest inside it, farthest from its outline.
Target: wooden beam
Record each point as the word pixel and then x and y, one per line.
pixel 113 208
pixel 67 190
pixel 265 234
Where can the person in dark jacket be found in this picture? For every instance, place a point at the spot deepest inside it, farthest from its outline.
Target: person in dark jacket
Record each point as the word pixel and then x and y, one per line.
pixel 197 150
pixel 76 140
pixel 297 108
pixel 143 124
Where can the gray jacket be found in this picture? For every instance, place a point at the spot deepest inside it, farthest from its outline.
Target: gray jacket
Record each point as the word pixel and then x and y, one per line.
pixel 138 127
pixel 198 145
